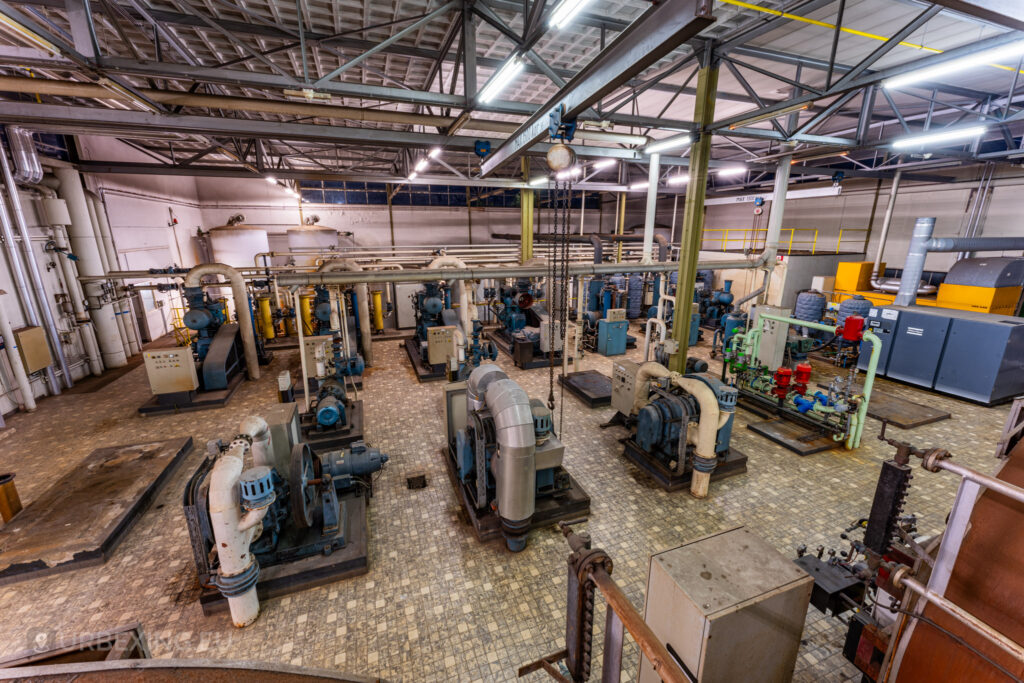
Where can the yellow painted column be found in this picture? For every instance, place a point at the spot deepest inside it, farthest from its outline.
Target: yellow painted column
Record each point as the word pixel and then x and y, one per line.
pixel 693 213
pixel 526 199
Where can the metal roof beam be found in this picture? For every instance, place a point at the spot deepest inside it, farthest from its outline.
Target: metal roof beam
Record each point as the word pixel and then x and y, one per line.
pixel 653 35
pixel 1001 12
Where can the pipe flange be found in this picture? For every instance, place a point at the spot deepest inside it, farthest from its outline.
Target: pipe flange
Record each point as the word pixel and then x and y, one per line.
pixel 585 561
pixel 898 576
pixel 243 440
pixel 237 584
pixel 933 457
pixel 702 464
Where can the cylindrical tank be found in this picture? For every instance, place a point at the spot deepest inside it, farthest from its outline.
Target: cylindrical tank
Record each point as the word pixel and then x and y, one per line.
pixel 306 313
pixel 237 245
pixel 855 305
pixel 810 306
pixel 266 319
pixel 378 310
pixel 635 296
pixel 313 239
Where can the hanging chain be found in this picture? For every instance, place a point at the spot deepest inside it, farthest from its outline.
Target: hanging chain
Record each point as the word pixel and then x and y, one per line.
pixel 551 305
pixel 563 293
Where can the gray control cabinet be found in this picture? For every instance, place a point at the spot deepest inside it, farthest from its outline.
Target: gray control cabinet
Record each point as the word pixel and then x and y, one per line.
pixel 919 341
pixel 883 322
pixel 984 358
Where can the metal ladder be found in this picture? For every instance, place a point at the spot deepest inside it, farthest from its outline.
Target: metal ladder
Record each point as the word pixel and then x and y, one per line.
pixel 1013 431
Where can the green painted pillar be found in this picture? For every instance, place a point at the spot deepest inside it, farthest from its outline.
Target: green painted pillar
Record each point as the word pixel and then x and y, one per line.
pixel 693 213
pixel 526 214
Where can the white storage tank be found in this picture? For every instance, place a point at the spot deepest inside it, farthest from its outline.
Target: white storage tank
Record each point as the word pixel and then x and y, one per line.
pixel 237 245
pixel 314 239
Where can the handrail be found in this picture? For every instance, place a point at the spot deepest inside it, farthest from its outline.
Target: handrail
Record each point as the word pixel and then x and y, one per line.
pixel 751 238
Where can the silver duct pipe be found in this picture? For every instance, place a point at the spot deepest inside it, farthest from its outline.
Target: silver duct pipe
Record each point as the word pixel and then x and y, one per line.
pixel 28 400
pixel 50 324
pixel 27 168
pixel 921 242
pixel 514 465
pixel 90 267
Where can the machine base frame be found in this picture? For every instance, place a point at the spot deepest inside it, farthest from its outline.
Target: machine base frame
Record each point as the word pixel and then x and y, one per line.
pixel 424 372
pixel 513 350
pixel 572 504
pixel 330 439
pixel 735 463
pixel 203 400
pixel 592 396
pixel 309 572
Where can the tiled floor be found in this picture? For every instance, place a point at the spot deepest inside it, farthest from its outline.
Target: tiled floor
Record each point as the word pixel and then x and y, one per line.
pixel 436 604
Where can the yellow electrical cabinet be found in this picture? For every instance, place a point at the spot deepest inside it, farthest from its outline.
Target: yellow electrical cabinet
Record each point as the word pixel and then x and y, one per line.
pixel 33 349
pixel 855 276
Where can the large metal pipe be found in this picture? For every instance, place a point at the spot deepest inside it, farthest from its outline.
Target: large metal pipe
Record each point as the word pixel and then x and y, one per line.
pixel 922 242
pixel 28 401
pixel 122 304
pixel 252 363
pixel 362 301
pixel 42 86
pixel 653 173
pixel 38 289
pixel 886 222
pixel 514 465
pixel 86 246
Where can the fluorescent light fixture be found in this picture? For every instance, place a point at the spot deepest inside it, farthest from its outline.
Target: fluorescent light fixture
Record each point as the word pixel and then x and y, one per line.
pixel 271 179
pixel 731 171
pixel 412 176
pixel 566 12
pixel 421 164
pixel 603 163
pixel 934 138
pixel 757 118
pixel 666 144
pixel 573 172
pixel 502 78
pixel 639 186
pixel 434 153
pixel 539 180
pixel 678 179
pixel 1006 52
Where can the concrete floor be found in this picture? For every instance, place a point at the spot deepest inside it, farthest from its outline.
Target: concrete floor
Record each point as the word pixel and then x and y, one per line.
pixel 436 604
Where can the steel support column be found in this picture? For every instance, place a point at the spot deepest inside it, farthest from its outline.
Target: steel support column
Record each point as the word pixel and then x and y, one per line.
pixel 693 213
pixel 526 197
pixel 653 175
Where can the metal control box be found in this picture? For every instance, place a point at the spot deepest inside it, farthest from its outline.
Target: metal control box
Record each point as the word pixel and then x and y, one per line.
pixel 772 349
pixel 624 385
pixel 883 322
pixel 729 607
pixel 171 370
pixel 611 337
pixel 615 314
pixel 33 349
pixel 317 350
pixel 405 304
pixel 440 344
pixel 283 420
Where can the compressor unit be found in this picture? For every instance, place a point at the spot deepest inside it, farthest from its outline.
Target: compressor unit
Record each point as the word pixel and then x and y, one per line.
pixel 505 460
pixel 526 331
pixel 439 349
pixel 297 514
pixel 659 409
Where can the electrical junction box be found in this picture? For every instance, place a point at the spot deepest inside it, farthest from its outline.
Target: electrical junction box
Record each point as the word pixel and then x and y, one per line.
pixel 615 314
pixel 729 607
pixel 317 350
pixel 171 370
pixel 440 344
pixel 611 337
pixel 405 304
pixel 53 211
pixel 623 385
pixel 772 349
pixel 33 349
pixel 283 420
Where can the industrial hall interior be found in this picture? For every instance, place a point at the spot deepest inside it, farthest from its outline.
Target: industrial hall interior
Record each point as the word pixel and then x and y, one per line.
pixel 339 341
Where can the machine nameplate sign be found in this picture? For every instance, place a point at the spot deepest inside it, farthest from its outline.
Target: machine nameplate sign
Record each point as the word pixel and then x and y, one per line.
pixel 888 314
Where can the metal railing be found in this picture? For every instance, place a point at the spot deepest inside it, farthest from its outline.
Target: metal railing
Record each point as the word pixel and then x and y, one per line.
pixel 802 239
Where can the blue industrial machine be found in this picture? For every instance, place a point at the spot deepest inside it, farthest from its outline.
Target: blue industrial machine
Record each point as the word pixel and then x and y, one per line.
pixel 439 338
pixel 315 508
pixel 525 332
pixel 605 322
pixel 714 304
pixel 658 430
pixel 506 460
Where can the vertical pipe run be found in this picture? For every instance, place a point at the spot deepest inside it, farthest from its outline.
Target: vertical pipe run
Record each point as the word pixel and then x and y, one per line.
pixel 775 217
pixel 620 223
pixel 50 325
pixel 886 222
pixel 914 266
pixel 526 204
pixel 653 173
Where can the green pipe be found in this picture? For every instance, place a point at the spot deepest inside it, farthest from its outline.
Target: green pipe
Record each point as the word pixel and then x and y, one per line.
pixel 869 376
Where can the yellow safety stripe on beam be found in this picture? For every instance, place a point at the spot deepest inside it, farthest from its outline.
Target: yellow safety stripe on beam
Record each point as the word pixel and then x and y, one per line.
pixel 851 31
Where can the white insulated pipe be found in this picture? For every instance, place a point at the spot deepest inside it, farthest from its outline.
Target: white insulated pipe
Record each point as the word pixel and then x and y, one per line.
pixel 84 324
pixel 28 400
pixel 362 301
pixel 465 295
pixel 86 247
pixel 122 305
pixel 233 531
pixel 192 279
pixel 711 420
pixel 653 173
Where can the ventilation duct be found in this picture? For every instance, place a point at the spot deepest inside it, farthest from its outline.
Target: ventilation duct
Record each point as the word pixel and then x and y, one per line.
pixel 27 168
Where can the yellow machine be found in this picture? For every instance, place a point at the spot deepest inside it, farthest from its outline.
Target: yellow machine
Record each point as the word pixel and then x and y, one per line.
pixel 306 312
pixel 378 311
pixel 985 285
pixel 265 317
